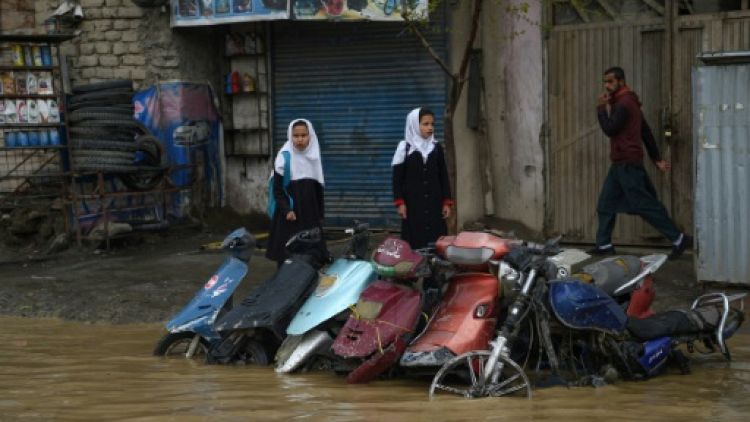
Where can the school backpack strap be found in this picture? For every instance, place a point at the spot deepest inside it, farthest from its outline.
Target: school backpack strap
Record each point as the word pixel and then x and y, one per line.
pixel 287 178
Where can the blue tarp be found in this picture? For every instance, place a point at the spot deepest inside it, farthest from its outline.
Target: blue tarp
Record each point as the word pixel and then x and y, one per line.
pixel 184 117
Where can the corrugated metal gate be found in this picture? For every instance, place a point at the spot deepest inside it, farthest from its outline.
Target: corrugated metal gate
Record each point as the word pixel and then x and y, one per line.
pixel 578 152
pixel 355 82
pixel 722 147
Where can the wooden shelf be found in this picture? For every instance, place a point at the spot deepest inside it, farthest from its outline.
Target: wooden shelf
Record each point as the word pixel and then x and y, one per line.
pixel 33 147
pixel 36 38
pixel 29 125
pixel 30 96
pixel 28 68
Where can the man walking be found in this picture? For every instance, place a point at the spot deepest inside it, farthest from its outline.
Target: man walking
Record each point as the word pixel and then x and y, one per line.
pixel 627 187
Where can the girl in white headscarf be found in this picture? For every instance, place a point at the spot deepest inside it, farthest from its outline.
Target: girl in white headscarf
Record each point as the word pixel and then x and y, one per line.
pixel 421 188
pixel 299 205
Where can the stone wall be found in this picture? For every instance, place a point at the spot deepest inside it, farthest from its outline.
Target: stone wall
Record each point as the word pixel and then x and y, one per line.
pixel 119 40
pixel 16 16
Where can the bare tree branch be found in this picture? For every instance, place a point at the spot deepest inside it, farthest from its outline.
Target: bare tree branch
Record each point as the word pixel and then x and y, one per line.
pixel 415 30
pixel 656 6
pixel 461 77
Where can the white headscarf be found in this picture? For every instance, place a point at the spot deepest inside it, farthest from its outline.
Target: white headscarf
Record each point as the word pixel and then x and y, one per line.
pixel 413 137
pixel 304 164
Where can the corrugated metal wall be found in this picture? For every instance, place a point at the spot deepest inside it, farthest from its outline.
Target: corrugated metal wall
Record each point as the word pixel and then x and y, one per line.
pixel 578 149
pixel 355 82
pixel 722 146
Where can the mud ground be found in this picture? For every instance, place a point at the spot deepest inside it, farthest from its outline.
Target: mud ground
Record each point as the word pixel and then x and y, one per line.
pixel 149 278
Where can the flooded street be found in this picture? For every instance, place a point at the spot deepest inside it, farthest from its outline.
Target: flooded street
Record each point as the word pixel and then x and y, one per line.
pixel 52 370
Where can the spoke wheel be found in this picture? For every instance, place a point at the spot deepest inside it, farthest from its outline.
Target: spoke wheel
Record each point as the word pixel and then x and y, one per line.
pixel 464 374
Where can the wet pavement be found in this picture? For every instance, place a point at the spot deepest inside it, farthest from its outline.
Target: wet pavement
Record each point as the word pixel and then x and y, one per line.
pixel 55 370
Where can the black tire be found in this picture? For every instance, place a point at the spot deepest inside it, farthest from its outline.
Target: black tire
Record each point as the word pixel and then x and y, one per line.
pixel 109 109
pixel 99 86
pixel 81 115
pixel 108 165
pixel 103 144
pixel 152 145
pixel 119 169
pixel 111 99
pixel 118 124
pixel 104 102
pixel 171 344
pixel 95 95
pixel 146 179
pixel 253 352
pixel 125 156
pixel 103 133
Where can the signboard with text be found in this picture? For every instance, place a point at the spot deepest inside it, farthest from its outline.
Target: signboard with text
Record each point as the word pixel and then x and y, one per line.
pixel 216 12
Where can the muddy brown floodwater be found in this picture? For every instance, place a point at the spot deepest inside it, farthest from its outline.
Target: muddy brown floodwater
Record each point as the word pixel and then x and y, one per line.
pixel 56 370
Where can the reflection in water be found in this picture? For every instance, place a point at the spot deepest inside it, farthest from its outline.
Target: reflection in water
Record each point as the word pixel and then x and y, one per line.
pixel 51 369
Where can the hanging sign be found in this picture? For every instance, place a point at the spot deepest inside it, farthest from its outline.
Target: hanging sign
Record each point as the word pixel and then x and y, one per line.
pixel 216 12
pixel 375 10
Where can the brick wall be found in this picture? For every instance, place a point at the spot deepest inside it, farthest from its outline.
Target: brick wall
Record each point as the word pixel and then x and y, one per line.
pixel 119 40
pixel 16 15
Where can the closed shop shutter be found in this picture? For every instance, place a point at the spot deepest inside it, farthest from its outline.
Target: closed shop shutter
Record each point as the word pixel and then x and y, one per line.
pixel 355 82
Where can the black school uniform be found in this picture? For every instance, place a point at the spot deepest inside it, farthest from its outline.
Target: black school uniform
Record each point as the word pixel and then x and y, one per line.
pixel 308 207
pixel 424 188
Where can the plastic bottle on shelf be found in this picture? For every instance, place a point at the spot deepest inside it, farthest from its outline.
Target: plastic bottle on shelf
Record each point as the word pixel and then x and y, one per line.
pixel 17 54
pixel 28 57
pixel 44 138
pixel 36 54
pixel 33 138
pixel 11 139
pixel 22 139
pixel 54 137
pixel 46 55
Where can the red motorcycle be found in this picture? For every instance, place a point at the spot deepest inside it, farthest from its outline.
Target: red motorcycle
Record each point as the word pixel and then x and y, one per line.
pixel 467 316
pixel 384 319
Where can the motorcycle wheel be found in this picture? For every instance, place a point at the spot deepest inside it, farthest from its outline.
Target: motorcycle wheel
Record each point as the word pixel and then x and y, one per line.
pixel 463 374
pixel 254 353
pixel 174 345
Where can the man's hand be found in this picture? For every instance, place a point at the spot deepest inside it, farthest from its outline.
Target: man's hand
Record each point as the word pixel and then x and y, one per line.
pixel 291 216
pixel 402 211
pixel 603 99
pixel 663 166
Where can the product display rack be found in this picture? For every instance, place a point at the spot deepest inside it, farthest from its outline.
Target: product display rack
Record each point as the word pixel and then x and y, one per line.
pixel 249 134
pixel 33 158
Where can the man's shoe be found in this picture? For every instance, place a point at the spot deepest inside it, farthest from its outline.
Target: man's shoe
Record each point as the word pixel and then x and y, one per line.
pixel 610 250
pixel 678 249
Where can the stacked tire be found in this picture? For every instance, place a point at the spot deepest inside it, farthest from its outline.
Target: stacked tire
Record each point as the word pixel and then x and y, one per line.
pixel 104 136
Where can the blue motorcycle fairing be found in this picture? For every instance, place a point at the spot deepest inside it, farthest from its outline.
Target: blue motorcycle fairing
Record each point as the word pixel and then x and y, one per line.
pixel 584 306
pixel 655 354
pixel 199 315
pixel 338 288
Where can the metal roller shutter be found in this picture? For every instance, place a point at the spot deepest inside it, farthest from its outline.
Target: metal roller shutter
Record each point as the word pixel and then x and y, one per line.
pixel 355 82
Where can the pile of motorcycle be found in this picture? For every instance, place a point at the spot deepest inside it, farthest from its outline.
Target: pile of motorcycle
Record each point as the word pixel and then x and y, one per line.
pixel 481 314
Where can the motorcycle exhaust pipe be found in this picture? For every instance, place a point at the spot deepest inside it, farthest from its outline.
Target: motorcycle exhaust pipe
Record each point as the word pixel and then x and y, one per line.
pixel 307 346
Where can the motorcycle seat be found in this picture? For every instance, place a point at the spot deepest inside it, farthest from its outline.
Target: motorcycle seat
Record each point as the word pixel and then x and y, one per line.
pixel 704 320
pixel 395 257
